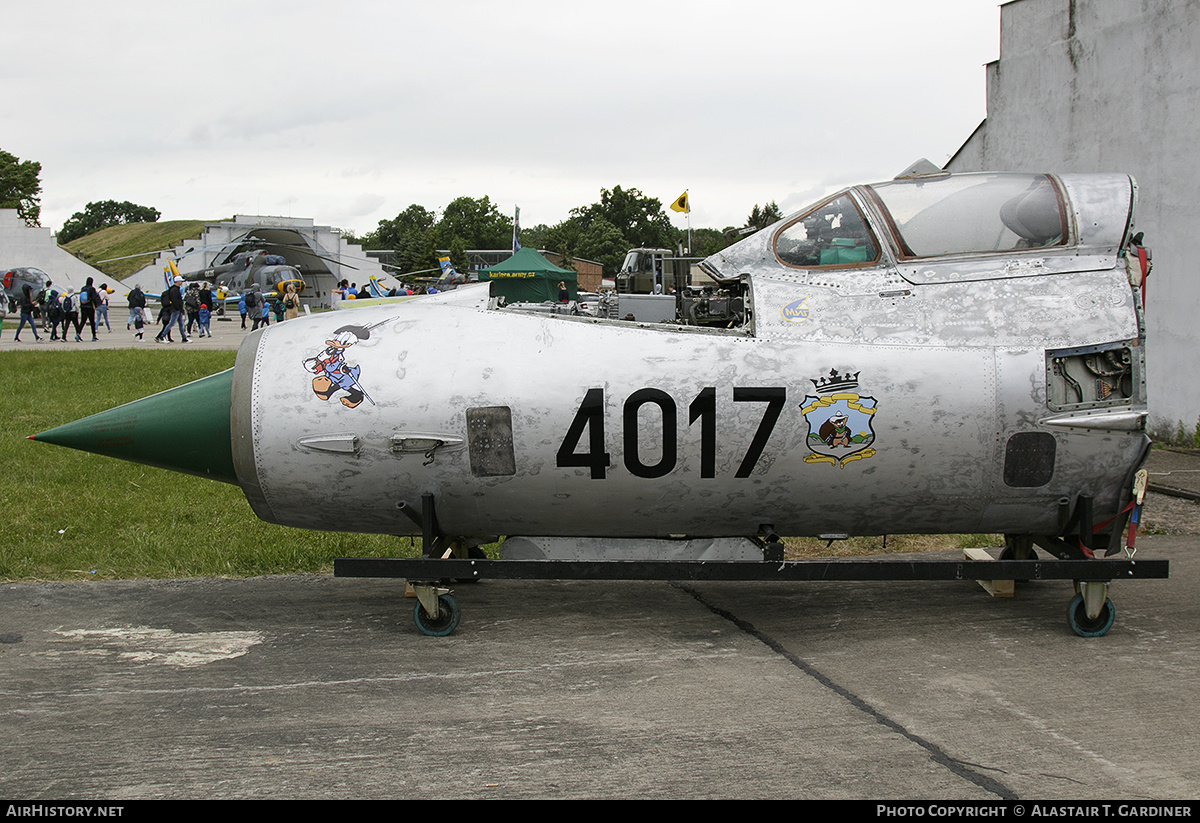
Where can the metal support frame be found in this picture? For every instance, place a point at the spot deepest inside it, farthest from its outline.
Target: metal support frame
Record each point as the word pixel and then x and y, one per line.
pixel 447 559
pixel 427 569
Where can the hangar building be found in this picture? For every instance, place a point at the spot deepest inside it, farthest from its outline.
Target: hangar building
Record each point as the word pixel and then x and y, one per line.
pixel 320 253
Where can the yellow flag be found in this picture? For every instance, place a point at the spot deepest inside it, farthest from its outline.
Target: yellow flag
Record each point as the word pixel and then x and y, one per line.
pixel 681 203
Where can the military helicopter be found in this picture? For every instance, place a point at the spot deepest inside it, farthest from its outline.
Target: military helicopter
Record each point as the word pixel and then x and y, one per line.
pixel 245 262
pixel 938 353
pixel 16 279
pixel 243 271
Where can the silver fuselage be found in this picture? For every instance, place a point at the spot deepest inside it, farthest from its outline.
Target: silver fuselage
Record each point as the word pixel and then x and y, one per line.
pixel 936 393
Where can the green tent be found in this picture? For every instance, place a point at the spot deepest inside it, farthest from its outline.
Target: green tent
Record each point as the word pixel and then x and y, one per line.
pixel 527 277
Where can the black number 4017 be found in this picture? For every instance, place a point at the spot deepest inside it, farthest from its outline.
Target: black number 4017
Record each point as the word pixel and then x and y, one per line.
pixel 590 419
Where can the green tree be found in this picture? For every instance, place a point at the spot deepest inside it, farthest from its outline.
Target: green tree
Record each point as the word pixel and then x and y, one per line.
pixel 21 187
pixel 418 251
pixel 477 224
pixel 564 238
pixel 704 241
pixel 536 237
pixel 603 242
pixel 760 218
pixel 458 255
pixel 640 219
pixel 101 215
pixel 410 235
pixel 605 231
pixel 394 233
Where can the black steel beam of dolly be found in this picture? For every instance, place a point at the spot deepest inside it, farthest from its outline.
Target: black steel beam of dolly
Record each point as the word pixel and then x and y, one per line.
pixel 435 569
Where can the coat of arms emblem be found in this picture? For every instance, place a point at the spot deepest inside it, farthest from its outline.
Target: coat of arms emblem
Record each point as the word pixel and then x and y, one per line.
pixel 839 420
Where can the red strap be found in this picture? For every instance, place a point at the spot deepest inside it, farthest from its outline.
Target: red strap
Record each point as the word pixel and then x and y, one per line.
pixel 1144 262
pixel 1131 536
pixel 1099 526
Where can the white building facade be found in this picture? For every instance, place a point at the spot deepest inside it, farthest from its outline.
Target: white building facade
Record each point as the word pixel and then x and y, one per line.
pixel 1113 86
pixel 23 246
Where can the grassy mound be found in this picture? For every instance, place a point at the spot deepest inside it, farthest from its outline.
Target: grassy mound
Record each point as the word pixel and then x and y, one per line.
pixel 132 239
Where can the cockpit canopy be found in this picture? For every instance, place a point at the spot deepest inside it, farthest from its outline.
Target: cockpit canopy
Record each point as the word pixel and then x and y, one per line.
pixel 929 217
pixel 942 215
pixel 973 213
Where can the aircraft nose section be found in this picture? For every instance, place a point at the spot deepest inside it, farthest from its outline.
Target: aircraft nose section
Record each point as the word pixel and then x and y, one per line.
pixel 185 429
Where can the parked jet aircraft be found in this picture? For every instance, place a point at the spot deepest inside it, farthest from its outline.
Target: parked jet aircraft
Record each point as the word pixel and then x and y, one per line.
pixel 16 279
pixel 936 353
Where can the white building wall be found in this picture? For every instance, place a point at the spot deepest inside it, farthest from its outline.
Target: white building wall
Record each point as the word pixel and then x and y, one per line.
pixel 1113 86
pixel 23 246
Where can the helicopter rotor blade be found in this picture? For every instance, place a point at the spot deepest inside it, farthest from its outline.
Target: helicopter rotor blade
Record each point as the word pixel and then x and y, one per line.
pixel 176 257
pixel 304 250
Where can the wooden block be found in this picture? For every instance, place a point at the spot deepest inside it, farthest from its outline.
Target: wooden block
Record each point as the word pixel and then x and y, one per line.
pixel 996 588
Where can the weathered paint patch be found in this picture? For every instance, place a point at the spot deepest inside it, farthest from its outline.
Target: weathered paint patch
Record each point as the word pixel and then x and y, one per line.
pixel 145 645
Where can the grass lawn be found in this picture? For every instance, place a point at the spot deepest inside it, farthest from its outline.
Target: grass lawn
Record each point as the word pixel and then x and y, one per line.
pixel 67 514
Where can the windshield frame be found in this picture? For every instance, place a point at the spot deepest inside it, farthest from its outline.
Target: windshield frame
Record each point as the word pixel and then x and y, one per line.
pixel 872 234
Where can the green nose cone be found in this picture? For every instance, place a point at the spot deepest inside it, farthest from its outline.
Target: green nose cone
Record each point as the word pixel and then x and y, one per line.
pixel 185 429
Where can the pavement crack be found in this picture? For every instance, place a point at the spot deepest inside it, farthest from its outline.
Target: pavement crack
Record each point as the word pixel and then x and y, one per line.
pixel 936 753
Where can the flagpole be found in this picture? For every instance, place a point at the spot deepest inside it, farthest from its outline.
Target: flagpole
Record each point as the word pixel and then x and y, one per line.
pixel 689 222
pixel 683 203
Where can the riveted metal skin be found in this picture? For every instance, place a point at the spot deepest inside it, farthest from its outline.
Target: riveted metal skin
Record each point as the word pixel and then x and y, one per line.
pixel 883 392
pixel 604 421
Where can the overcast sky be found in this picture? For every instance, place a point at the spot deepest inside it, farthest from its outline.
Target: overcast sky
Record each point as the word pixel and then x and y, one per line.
pixel 348 112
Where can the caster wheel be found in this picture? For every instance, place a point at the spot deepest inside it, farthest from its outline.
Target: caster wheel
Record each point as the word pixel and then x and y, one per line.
pixel 447 619
pixel 1085 627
